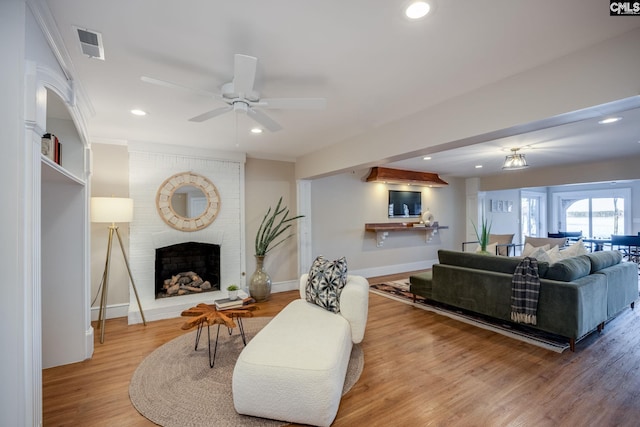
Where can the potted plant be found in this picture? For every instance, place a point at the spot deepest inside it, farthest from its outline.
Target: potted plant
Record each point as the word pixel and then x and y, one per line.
pixel 274 224
pixel 233 291
pixel 483 234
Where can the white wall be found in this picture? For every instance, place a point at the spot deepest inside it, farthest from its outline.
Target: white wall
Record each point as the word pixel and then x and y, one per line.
pixel 15 369
pixel 343 203
pixel 504 222
pixel 110 177
pixel 265 182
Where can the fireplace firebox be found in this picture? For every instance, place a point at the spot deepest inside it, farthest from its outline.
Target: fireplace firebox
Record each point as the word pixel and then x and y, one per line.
pixel 187 268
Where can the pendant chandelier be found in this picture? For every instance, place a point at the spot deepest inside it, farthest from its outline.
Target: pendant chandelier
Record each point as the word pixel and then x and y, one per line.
pixel 515 161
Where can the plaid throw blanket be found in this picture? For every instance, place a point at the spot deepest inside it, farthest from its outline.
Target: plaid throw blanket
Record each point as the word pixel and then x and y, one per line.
pixel 525 288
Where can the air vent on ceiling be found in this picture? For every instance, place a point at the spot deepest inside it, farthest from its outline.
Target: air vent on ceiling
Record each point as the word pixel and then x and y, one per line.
pixel 91 43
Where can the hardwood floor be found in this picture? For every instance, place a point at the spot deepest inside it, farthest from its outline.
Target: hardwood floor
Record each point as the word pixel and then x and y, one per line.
pixel 420 369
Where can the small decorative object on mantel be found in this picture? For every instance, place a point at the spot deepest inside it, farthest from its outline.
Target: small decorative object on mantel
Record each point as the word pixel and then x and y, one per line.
pixel 427 218
pixel 274 223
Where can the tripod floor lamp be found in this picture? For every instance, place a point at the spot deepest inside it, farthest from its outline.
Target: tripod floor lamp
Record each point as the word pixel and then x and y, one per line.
pixel 113 210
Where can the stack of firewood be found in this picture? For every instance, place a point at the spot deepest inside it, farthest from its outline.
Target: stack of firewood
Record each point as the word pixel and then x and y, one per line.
pixel 185 283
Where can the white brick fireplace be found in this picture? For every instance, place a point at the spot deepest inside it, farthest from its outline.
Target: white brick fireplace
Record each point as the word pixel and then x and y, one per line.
pixel 149 166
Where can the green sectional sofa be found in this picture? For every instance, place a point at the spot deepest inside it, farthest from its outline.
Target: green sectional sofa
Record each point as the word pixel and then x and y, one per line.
pixel 577 294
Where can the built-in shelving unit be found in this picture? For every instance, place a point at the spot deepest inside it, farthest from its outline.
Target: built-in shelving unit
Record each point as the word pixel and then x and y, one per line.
pixel 64 236
pixel 382 229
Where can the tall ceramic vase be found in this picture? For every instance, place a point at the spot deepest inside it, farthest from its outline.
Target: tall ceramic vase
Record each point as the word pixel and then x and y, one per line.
pixel 260 282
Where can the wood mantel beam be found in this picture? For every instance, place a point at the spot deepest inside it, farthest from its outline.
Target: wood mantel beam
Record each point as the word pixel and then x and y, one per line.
pixel 399 176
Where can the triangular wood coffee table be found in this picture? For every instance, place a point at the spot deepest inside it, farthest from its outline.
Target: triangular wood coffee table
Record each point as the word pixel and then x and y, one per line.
pixel 208 314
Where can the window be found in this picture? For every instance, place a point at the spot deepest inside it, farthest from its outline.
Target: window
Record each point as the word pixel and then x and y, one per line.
pixel 532 212
pixel 597 213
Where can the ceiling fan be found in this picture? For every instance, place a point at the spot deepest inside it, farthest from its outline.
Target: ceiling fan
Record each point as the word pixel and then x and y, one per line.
pixel 240 96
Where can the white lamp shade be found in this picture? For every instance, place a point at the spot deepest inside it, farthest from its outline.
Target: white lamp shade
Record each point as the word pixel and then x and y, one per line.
pixel 111 209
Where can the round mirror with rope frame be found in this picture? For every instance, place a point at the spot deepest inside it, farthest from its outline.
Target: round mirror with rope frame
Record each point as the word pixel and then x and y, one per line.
pixel 173 185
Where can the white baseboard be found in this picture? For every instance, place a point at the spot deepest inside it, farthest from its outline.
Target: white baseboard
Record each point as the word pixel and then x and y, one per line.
pixel 113 311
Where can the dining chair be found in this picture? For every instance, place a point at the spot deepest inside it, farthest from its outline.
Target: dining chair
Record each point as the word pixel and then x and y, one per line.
pixel 629 245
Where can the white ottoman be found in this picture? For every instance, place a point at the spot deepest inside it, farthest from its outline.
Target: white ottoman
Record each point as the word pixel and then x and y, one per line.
pixel 294 368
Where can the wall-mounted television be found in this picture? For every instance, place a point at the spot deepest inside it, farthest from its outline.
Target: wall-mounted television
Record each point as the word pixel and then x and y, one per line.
pixel 404 204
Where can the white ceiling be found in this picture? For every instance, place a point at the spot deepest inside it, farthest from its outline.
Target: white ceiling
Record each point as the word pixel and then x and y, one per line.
pixel 372 65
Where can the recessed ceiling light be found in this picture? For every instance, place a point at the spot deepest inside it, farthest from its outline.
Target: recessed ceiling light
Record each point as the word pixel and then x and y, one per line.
pixel 478 166
pixel 256 130
pixel 417 10
pixel 137 112
pixel 426 158
pixel 609 120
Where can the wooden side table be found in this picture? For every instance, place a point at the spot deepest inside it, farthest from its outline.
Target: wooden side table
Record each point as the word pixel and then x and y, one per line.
pixel 207 314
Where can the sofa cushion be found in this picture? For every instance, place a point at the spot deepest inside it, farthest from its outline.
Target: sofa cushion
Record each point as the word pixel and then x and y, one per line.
pixel 354 303
pixel 422 284
pixel 294 368
pixel 569 269
pixel 603 259
pixel 325 282
pixel 496 263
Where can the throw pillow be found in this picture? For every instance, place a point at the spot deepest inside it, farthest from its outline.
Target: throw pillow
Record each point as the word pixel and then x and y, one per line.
pixel 541 241
pixel 554 255
pixel 529 248
pixel 325 283
pixel 540 254
pixel 575 249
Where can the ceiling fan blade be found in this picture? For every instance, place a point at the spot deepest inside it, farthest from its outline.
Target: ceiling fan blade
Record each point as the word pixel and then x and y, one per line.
pixel 211 114
pixel 177 86
pixel 244 73
pixel 294 103
pixel 263 119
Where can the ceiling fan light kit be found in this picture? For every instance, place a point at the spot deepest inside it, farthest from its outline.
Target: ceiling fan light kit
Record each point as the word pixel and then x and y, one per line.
pixel 240 96
pixel 515 161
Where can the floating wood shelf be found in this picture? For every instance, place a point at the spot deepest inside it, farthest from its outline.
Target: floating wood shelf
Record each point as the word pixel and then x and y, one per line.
pixel 382 229
pixel 398 176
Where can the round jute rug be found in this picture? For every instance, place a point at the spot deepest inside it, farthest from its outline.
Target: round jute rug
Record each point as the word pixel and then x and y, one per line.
pixel 174 385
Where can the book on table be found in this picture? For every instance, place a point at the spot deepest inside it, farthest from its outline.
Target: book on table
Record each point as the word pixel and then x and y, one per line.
pixel 226 303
